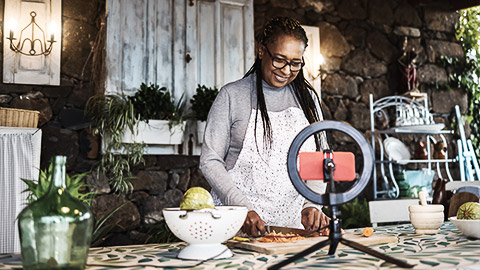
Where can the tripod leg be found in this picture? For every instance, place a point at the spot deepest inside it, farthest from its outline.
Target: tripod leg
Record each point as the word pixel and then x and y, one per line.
pixel 299 255
pixel 375 253
pixel 333 247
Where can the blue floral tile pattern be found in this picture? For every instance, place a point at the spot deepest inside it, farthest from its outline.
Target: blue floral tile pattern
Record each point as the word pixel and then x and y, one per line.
pixel 448 249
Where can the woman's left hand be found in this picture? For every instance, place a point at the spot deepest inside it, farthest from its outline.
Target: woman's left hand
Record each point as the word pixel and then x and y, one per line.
pixel 314 219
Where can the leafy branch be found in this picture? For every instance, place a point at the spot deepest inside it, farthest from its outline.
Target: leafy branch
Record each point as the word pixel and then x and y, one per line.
pixel 468 77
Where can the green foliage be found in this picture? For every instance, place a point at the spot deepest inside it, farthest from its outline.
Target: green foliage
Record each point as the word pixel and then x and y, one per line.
pixel 202 101
pixel 75 186
pixel 111 115
pixel 466 71
pixel 153 102
pixel 354 214
pixel 160 233
pixel 101 229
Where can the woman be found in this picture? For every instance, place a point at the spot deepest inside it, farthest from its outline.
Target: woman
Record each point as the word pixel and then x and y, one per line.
pixel 250 128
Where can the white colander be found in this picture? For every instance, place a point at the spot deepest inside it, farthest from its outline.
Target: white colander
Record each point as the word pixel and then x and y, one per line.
pixel 205 230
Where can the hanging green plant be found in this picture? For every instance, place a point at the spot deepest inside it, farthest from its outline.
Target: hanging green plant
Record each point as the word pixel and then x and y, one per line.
pixel 110 116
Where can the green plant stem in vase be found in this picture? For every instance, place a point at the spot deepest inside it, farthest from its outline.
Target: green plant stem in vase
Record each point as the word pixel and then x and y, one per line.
pixel 55 230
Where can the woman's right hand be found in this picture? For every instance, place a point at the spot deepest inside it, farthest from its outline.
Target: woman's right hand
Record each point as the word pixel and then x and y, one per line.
pixel 253 225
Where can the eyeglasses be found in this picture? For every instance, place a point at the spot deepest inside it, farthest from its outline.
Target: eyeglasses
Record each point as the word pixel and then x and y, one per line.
pixel 281 63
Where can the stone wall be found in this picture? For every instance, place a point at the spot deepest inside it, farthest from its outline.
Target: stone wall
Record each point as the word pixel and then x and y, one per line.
pixel 159 183
pixel 361 41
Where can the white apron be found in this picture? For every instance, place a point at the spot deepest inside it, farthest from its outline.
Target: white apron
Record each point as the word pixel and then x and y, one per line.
pixel 263 178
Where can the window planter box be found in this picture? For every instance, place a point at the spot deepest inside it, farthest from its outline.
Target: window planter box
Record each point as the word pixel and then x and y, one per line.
pixel 156 132
pixel 200 131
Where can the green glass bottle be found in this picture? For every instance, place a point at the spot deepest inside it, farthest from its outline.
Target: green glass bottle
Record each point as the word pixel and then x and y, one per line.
pixel 55 230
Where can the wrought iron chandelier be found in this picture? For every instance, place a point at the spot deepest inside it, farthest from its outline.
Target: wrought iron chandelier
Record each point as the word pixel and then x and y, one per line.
pixel 45 48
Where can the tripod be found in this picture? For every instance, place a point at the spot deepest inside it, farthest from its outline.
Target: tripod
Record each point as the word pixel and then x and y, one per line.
pixel 335 237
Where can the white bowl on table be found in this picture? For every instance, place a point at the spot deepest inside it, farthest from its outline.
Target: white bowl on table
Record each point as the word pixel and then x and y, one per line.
pixel 205 230
pixel 468 227
pixel 426 218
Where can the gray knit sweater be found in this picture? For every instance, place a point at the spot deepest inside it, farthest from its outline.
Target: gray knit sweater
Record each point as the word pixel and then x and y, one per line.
pixel 225 131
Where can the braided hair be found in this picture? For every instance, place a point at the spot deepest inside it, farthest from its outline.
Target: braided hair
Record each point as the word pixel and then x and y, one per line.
pixel 303 90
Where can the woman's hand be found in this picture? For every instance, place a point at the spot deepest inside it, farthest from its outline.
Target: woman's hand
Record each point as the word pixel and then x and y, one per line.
pixel 253 225
pixel 314 219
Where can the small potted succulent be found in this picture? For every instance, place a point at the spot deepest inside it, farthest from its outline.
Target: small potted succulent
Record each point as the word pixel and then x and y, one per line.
pixel 201 103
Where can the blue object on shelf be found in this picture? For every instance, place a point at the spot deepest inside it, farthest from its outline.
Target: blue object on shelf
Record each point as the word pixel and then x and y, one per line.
pixel 466 153
pixel 472 189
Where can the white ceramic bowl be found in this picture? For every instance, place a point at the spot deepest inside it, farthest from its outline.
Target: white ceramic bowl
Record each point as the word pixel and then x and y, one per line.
pixel 468 227
pixel 205 230
pixel 426 218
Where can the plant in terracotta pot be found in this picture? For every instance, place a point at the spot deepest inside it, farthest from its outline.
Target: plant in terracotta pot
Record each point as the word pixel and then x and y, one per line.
pixel 201 103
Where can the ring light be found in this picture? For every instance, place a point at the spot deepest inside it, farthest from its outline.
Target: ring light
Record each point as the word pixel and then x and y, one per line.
pixel 336 198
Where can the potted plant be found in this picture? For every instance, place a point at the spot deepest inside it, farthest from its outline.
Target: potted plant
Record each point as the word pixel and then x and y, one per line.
pixel 201 103
pixel 161 119
pixel 76 186
pixel 126 127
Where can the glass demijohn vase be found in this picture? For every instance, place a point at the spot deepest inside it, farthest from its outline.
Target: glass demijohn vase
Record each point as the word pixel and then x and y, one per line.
pixel 55 230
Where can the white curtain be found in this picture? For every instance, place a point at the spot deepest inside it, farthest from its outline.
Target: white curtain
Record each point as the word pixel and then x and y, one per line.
pixel 19 158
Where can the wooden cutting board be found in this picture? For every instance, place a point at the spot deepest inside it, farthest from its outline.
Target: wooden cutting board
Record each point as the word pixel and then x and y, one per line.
pixel 282 248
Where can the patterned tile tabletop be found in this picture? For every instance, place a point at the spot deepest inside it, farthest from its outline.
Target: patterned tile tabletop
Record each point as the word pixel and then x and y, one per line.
pixel 447 249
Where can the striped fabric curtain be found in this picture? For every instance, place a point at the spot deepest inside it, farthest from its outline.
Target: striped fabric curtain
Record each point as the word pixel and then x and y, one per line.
pixel 17 160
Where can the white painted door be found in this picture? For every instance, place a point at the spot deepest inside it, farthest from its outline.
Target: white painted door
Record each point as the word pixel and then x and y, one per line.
pixel 224 40
pixel 178 44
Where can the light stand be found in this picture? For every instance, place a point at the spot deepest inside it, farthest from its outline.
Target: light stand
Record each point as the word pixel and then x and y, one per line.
pixel 332 198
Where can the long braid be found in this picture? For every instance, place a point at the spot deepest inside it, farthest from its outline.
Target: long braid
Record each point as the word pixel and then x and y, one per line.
pixel 307 103
pixel 303 90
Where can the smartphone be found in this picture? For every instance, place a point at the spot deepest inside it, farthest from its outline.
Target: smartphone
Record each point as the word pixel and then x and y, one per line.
pixel 310 166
